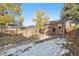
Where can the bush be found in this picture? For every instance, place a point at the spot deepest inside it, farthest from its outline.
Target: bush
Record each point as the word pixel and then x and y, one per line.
pixel 34 37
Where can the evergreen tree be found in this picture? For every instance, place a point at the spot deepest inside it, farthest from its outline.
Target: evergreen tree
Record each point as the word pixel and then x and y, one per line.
pixel 70 10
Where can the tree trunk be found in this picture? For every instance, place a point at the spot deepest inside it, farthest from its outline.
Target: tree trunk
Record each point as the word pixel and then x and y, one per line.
pixel 1 33
pixel 16 31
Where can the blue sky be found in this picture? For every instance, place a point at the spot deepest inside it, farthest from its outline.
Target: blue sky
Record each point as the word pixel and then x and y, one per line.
pixel 51 9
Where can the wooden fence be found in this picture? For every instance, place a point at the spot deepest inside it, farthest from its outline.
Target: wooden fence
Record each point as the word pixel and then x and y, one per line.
pixel 73 36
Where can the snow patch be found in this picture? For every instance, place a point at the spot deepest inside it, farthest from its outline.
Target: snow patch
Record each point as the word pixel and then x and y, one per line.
pixel 47 48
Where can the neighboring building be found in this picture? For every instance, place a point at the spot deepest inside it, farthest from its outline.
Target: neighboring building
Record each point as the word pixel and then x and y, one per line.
pixel 56 28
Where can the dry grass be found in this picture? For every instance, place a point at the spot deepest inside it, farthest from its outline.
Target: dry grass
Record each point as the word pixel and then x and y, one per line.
pixel 6 39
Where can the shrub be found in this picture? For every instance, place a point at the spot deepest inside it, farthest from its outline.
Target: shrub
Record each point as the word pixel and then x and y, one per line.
pixel 34 37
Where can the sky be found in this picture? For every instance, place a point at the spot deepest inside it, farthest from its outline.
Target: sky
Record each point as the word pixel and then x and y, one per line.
pixel 51 10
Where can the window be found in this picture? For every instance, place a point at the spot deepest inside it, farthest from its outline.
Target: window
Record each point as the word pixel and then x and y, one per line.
pixel 59 27
pixel 54 29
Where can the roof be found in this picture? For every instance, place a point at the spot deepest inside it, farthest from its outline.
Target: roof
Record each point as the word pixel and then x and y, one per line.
pixel 28 27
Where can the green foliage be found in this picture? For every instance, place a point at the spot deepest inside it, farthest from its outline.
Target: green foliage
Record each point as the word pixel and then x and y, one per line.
pixel 16 9
pixel 9 12
pixel 40 19
pixel 76 26
pixel 21 20
pixel 70 10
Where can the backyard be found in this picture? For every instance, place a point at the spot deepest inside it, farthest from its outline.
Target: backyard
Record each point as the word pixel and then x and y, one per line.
pixel 39 30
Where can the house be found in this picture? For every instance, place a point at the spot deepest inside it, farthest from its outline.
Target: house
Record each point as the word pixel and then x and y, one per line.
pixel 56 28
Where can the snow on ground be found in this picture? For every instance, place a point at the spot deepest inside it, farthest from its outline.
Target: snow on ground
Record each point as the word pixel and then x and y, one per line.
pixel 47 48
